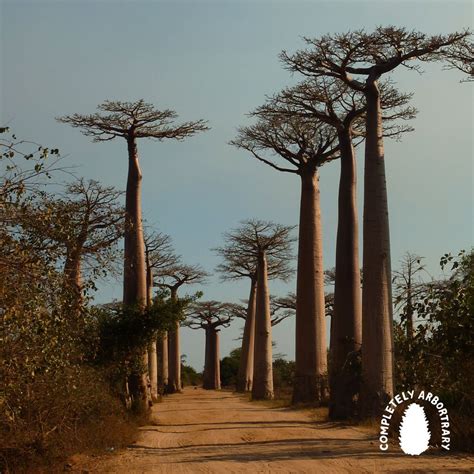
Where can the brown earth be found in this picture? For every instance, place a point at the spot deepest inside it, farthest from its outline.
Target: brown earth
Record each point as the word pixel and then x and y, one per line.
pixel 219 431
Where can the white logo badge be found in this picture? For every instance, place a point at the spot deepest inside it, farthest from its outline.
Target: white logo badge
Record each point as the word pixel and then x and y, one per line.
pixel 415 432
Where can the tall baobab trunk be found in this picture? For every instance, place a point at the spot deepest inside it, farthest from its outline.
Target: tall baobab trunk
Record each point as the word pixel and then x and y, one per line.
pixel 212 373
pixel 377 336
pixel 346 325
pixel 311 351
pixel 174 360
pixel 162 353
pixel 73 275
pixel 153 370
pixel 245 374
pixel 134 283
pixel 262 387
pixel 174 356
pixel 152 352
pixel 207 352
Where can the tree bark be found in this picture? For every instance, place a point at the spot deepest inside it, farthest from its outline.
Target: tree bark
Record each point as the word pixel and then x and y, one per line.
pixel 152 347
pixel 134 283
pixel 311 350
pixel 174 354
pixel 377 324
pixel 262 387
pixel 346 324
pixel 212 373
pixel 73 275
pixel 207 355
pixel 245 374
pixel 162 353
pixel 153 370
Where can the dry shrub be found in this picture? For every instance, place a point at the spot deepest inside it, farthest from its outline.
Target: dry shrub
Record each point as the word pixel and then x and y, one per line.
pixel 61 414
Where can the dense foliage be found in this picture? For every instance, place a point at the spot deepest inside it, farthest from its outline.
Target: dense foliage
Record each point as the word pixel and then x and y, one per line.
pixel 439 355
pixel 60 363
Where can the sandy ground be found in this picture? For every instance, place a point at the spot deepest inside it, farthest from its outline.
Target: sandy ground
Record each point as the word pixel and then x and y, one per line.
pixel 209 431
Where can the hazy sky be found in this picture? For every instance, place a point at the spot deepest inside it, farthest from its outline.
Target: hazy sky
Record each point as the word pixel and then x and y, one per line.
pixel 217 60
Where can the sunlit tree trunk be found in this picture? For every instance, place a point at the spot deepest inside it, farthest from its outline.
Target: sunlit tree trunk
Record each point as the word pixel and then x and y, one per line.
pixel 162 353
pixel 134 283
pixel 73 275
pixel 377 336
pixel 174 361
pixel 262 387
pixel 153 370
pixel 152 352
pixel 212 376
pixel 174 354
pixel 311 350
pixel 346 328
pixel 245 374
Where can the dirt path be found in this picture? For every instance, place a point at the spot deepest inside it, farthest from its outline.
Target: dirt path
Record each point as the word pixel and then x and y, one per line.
pixel 206 431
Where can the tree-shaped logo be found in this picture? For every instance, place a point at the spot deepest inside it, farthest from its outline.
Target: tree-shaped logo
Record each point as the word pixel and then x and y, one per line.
pixel 414 433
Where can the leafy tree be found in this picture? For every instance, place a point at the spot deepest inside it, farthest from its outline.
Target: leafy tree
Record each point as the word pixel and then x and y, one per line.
pixel 82 227
pixel 230 368
pixel 439 353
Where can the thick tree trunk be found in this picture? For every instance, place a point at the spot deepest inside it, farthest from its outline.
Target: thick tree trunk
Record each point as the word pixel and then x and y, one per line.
pixel 153 370
pixel 346 324
pixel 377 311
pixel 152 350
pixel 73 275
pixel 311 350
pixel 162 353
pixel 212 372
pixel 245 374
pixel 207 359
pixel 134 283
pixel 262 387
pixel 174 354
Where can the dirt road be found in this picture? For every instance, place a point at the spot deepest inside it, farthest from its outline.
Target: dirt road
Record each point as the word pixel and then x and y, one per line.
pixel 207 431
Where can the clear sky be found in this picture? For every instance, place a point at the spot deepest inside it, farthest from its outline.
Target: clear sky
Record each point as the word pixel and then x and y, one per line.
pixel 216 60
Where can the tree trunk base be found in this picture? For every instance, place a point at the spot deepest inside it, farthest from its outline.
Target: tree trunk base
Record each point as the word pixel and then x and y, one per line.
pixel 244 386
pixel 140 400
pixel 310 389
pixel 343 397
pixel 267 395
pixel 372 403
pixel 172 388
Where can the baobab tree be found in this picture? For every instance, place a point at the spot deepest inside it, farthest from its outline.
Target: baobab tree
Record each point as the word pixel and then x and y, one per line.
pixel 305 144
pixel 336 104
pixel 359 60
pixel 173 278
pixel 281 308
pixel 133 121
pixel 210 316
pixel 159 256
pixel 237 263
pixel 82 226
pixel 460 56
pixel 262 241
